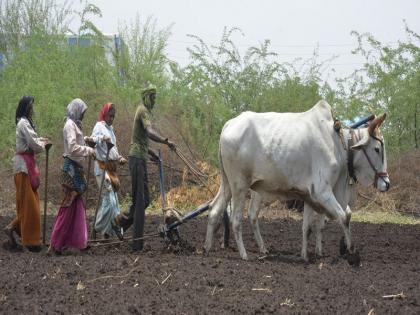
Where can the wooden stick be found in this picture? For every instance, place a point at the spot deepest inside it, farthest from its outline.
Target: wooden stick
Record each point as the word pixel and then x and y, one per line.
pixel 166 278
pixel 399 296
pixel 44 227
pixel 87 181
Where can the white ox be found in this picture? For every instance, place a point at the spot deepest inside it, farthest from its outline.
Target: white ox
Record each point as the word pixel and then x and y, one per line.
pixel 295 156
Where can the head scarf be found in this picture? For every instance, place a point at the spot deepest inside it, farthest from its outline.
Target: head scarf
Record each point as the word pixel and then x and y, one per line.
pixel 104 111
pixel 151 88
pixel 23 109
pixel 75 110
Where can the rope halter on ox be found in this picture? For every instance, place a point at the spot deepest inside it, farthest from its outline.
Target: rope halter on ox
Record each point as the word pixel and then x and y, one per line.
pixel 376 122
pixel 371 129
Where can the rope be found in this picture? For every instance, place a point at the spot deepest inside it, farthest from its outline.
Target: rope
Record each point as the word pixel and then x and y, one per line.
pixel 190 164
pixel 144 237
pixel 197 173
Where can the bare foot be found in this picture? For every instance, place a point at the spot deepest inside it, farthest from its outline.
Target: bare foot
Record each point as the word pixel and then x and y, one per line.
pixel 51 251
pixel 119 217
pixel 8 230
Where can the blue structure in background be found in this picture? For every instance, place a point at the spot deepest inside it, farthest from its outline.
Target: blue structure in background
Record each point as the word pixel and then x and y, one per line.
pixel 112 44
pixel 112 41
pixel 74 40
pixel 2 61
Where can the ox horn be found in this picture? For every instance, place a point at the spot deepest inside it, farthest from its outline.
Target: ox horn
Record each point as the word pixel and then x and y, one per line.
pixel 376 123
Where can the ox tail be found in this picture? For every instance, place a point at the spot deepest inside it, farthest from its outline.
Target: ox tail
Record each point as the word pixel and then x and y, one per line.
pixel 224 194
pixel 219 204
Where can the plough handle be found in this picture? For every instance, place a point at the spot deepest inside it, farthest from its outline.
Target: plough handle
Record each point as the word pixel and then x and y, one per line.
pixel 188 216
pixel 162 181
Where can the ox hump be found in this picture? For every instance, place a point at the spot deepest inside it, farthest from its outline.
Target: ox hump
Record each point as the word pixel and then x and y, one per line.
pixel 322 110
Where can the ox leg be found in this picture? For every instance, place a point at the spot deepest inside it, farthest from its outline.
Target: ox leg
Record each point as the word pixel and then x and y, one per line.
pixel 334 209
pixel 308 214
pixel 215 214
pixel 344 245
pixel 238 204
pixel 226 225
pixel 352 255
pixel 253 211
pixel 319 226
pixel 345 223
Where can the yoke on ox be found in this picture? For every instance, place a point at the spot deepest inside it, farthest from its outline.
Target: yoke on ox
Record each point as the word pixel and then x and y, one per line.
pixel 295 155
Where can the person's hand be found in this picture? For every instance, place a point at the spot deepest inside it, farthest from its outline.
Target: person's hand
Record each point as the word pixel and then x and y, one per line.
pixel 106 139
pixel 122 160
pixel 170 144
pixel 47 145
pixel 90 142
pixel 92 153
pixel 154 157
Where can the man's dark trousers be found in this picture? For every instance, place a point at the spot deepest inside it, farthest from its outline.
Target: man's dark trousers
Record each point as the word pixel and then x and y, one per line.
pixel 140 200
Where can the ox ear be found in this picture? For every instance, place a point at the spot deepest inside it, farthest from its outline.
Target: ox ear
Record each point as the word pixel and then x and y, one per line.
pixel 376 123
pixel 362 142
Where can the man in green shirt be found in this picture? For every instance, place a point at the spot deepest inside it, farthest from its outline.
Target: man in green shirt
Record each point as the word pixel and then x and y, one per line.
pixel 137 157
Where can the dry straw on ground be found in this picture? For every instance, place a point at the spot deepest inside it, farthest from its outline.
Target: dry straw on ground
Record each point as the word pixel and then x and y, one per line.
pixel 403 196
pixel 187 195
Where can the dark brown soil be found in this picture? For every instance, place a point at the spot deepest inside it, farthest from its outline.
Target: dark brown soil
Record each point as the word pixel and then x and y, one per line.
pixel 113 280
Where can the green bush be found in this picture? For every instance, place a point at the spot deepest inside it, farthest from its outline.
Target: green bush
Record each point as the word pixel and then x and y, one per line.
pixel 194 101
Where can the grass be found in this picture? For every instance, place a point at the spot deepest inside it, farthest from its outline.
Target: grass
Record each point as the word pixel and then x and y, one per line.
pixel 383 217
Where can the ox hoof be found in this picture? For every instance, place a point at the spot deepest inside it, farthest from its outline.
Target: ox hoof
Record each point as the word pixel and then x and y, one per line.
pixel 343 247
pixel 353 258
pixel 264 251
pixel 244 257
pixel 224 244
pixel 206 251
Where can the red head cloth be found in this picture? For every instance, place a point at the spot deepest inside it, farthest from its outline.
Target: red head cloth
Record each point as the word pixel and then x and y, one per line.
pixel 104 111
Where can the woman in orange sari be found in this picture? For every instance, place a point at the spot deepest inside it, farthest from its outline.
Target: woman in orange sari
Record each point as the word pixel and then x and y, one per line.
pixel 27 224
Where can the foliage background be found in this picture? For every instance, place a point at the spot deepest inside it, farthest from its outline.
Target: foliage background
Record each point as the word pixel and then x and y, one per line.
pixel 196 100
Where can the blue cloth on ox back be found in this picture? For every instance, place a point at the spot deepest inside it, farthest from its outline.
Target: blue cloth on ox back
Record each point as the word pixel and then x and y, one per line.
pixel 73 176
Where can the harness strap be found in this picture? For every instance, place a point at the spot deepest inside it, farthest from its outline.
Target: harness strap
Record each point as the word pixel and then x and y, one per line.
pixel 380 175
pixel 350 155
pixel 350 159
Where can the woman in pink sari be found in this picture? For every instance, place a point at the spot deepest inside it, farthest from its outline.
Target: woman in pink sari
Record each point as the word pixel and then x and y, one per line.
pixel 70 230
